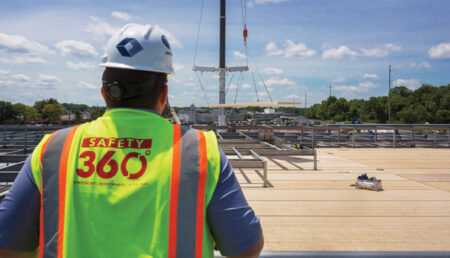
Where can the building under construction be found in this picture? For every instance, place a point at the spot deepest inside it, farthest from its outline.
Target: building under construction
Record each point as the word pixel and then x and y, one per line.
pixel 300 184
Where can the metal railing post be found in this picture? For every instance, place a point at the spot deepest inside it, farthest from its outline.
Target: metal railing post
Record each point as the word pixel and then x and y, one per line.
pixel 315 159
pixel 303 133
pixel 376 135
pixel 339 136
pixel 25 143
pixel 448 132
pixel 434 136
pixel 312 139
pixel 354 137
pixel 393 139
pixel 413 137
pixel 266 183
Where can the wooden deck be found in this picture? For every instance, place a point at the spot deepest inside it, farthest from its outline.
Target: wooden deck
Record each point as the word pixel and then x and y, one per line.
pixel 307 210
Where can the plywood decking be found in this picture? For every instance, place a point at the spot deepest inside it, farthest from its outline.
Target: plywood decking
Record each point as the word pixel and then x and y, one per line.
pixel 307 210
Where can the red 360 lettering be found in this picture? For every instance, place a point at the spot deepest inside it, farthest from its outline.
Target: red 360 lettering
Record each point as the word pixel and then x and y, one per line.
pixel 107 167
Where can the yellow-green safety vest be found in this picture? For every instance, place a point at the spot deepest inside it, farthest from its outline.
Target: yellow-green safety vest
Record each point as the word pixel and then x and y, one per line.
pixel 129 184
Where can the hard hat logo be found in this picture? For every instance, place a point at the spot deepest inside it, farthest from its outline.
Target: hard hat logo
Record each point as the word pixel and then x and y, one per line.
pixel 165 41
pixel 129 47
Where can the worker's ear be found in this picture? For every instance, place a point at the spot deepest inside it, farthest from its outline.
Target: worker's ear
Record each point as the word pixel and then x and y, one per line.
pixel 163 96
pixel 103 93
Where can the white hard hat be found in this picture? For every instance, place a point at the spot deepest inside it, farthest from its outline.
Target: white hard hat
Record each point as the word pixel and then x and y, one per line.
pixel 139 47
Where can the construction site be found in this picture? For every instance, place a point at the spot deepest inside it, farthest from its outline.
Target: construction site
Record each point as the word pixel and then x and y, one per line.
pixel 306 198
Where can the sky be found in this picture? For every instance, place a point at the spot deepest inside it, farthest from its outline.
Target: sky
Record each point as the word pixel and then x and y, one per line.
pixel 52 48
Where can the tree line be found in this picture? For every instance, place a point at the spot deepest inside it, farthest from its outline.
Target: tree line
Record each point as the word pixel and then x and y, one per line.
pixel 425 104
pixel 46 111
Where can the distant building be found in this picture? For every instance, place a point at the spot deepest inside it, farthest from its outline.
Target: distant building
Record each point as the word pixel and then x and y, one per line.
pixel 269 111
pixel 192 114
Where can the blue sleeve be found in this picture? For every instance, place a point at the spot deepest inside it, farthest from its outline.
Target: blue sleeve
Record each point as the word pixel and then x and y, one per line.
pixel 233 223
pixel 19 213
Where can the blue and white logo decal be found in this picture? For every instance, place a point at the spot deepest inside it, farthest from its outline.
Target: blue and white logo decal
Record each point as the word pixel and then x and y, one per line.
pixel 129 47
pixel 164 40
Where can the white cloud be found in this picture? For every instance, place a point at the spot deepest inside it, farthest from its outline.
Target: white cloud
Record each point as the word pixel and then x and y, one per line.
pixel 76 48
pixel 297 50
pixel 272 49
pixel 189 84
pixel 99 29
pixel 263 2
pixel 22 60
pixel 271 71
pixel 278 82
pixel 290 50
pixel 48 81
pixel 246 86
pixel 4 71
pixel 410 84
pixel 172 79
pixel 440 51
pixel 88 85
pixel 122 15
pixel 80 65
pixel 370 76
pixel 178 67
pixel 20 44
pixel 367 85
pixel 339 79
pixel 384 51
pixel 238 55
pixel 362 87
pixel 292 96
pixel 339 53
pixel 20 77
pixel 424 64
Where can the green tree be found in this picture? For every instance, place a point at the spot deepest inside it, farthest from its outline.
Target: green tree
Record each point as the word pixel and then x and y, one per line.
pixel 20 110
pixel 51 113
pixel 7 113
pixel 97 111
pixel 39 105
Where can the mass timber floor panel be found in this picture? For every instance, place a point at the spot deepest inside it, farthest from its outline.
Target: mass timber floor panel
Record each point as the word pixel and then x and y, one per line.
pixel 309 210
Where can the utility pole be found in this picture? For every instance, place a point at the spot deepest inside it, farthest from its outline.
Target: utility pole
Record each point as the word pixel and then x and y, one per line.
pixel 389 94
pixel 222 67
pixel 330 90
pixel 305 98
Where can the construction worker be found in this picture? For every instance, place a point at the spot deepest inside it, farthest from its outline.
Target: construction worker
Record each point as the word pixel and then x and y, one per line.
pixel 129 184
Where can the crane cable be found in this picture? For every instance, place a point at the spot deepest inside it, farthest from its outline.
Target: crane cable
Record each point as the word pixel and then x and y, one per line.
pixel 262 80
pixel 195 52
pixel 201 85
pixel 198 31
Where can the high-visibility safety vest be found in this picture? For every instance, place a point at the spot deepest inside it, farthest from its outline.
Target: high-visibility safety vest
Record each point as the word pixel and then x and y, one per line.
pixel 129 184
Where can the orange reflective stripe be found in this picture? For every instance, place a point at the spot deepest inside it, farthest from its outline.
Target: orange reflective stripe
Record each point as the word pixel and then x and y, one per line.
pixel 62 188
pixel 174 184
pixel 203 165
pixel 45 146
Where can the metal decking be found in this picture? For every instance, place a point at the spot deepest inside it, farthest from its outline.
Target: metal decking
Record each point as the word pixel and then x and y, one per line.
pixel 312 211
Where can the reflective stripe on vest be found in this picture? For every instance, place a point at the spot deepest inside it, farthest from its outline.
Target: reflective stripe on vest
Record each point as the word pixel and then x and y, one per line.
pixel 54 163
pixel 187 195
